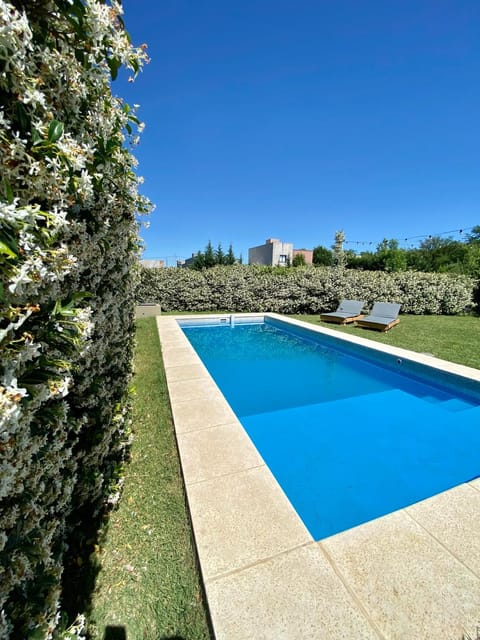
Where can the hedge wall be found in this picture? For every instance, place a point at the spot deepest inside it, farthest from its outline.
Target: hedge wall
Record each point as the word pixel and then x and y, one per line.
pixel 301 289
pixel 68 270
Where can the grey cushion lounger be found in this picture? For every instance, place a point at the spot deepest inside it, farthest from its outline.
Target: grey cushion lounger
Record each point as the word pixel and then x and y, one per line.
pixel 348 311
pixel 383 316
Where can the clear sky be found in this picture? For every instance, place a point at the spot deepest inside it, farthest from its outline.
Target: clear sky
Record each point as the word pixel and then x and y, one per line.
pixel 296 118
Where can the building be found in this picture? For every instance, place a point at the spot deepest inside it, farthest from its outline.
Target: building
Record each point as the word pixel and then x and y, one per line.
pixel 188 262
pixel 274 252
pixel 306 253
pixel 152 264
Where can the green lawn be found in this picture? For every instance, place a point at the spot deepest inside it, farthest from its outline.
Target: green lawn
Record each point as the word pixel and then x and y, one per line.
pixel 149 583
pixel 454 338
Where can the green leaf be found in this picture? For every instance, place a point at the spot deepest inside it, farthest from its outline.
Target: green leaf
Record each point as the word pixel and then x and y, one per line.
pixel 36 137
pixel 67 307
pixel 5 249
pixel 22 117
pixel 7 189
pixel 55 131
pixel 135 65
pixel 8 242
pixel 114 65
pixel 37 634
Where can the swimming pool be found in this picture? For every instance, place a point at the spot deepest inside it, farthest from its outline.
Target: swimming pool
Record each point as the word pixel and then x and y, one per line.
pixel 350 432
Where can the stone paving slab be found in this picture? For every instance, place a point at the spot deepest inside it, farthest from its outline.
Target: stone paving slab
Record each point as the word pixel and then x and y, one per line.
pixel 410 585
pixel 241 519
pixel 216 451
pixel 209 411
pixel 180 356
pixel 292 595
pixel 192 389
pixel 411 575
pixel 184 373
pixel 453 517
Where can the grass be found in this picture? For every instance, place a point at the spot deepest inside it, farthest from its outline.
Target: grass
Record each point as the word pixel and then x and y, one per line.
pixel 148 587
pixel 453 338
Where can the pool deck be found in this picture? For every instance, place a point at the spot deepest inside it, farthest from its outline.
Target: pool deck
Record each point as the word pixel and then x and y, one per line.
pixel 411 575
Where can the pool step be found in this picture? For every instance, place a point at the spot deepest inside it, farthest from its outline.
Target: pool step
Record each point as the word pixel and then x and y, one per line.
pixel 344 462
pixel 453 405
pixel 456 404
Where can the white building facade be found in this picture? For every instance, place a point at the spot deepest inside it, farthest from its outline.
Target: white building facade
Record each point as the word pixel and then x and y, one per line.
pixel 274 253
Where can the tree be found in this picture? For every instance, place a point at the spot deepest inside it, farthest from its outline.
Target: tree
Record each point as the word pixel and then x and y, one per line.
pixel 338 255
pixel 390 257
pixel 474 235
pixel 219 255
pixel 298 260
pixel 472 260
pixel 199 261
pixel 367 260
pixel 230 257
pixel 438 254
pixel 209 256
pixel 349 257
pixel 322 256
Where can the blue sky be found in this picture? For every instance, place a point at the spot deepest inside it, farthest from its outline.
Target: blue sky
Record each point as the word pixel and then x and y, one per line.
pixel 296 118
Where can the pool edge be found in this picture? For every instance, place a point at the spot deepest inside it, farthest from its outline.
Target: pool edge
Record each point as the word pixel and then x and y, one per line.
pixel 329 558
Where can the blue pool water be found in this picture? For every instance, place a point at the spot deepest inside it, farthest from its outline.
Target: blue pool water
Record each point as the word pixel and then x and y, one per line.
pixel 349 434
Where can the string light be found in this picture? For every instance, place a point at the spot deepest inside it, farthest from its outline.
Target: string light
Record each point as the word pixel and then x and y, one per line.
pixel 405 240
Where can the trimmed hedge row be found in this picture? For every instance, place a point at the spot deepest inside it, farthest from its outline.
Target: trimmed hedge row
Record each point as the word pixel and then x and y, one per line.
pixel 301 290
pixel 68 272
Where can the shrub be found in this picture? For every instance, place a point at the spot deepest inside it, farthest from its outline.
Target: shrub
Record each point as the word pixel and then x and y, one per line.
pixel 68 256
pixel 301 290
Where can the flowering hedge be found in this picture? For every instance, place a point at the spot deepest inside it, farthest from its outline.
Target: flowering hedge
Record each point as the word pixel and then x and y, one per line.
pixel 301 290
pixel 68 258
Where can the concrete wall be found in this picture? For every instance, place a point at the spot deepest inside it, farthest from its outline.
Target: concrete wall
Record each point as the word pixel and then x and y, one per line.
pixel 273 252
pixel 262 254
pixel 148 309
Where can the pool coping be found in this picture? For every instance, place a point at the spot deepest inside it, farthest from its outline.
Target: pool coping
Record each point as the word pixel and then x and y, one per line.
pixel 414 573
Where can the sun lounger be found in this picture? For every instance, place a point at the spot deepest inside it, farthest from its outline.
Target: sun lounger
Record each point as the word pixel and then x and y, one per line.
pixel 348 311
pixel 383 316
